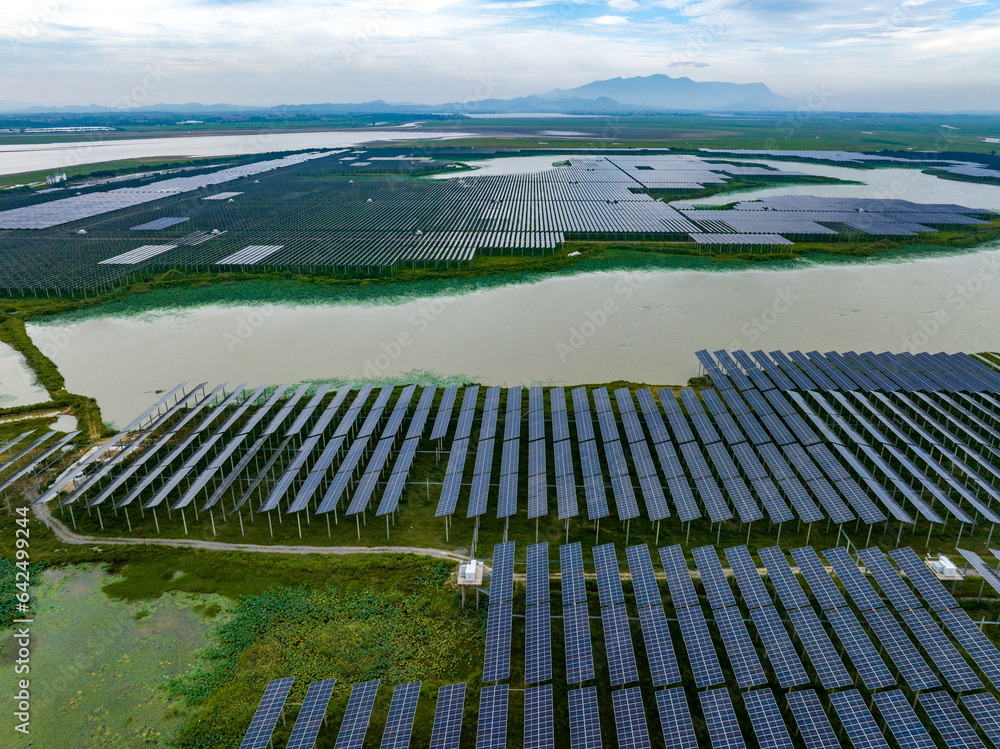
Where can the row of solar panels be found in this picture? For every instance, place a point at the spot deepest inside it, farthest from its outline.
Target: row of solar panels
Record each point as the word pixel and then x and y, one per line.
pixel 703 660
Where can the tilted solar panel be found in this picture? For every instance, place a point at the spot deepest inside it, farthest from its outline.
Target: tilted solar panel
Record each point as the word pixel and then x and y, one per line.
pixel 768 725
pixel 268 711
pixel 859 649
pixel 491 732
pixel 739 648
pixel 630 718
pixel 359 712
pixel 584 719
pixel 447 731
pixel 814 726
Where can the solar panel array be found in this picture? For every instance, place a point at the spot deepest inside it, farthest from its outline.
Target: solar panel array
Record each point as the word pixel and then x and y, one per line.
pixel 500 615
pixel 311 715
pixel 538 636
pixel 262 725
pixel 447 731
pixel 359 712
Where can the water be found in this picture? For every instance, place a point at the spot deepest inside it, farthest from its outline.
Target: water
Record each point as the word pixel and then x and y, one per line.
pixel 17 382
pixel 568 330
pixel 35 157
pixel 509 165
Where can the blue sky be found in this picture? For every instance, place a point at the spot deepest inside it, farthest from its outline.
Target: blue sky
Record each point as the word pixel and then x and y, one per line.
pixel 916 55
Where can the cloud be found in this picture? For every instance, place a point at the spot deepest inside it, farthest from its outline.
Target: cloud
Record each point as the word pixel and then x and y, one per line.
pixel 687 64
pixel 623 4
pixel 608 21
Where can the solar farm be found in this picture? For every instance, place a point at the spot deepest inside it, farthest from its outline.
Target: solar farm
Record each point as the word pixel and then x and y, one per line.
pixel 356 212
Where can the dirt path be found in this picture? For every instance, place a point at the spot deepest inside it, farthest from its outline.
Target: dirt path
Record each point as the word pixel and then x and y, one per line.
pixel 64 534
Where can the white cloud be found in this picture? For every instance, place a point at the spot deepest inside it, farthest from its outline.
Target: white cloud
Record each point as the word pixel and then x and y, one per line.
pixel 608 20
pixel 623 4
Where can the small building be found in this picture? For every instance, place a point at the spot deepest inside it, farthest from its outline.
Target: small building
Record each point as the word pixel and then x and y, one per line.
pixel 55 179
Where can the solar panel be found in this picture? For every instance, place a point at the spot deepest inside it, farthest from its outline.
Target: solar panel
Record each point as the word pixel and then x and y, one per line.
pixel 825 661
pixel 445 407
pixel 713 577
pixel 739 648
pixel 359 711
pixel 979 647
pixel 949 662
pixel 700 650
pixel 720 719
pixel 579 656
pixel 949 721
pixel 268 711
pixel 858 722
pixel 682 592
pixel 711 497
pixel 492 730
pixel 742 500
pixel 538 504
pixel 571 573
pixel 311 715
pixel 814 726
pixel 512 415
pixel 675 719
pixel 399 723
pixel 502 573
pixel 584 719
pixel 744 569
pixel 647 592
pixel 609 585
pixel 539 722
pixel 933 591
pixel 789 590
pixel 888 580
pixel 630 718
pixel 479 494
pixel 820 583
pixel 447 731
pixel 778 645
pixel 597 503
pixel 566 494
pixel 904 724
pixel 538 644
pixel 507 500
pixel 981 567
pixel 911 665
pixel 986 711
pixel 659 646
pixel 853 579
pixel 498 625
pixel 618 645
pixel 537 574
pixel 768 725
pixel 859 649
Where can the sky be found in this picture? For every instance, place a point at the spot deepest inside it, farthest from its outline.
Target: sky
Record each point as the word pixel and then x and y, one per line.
pixel 860 55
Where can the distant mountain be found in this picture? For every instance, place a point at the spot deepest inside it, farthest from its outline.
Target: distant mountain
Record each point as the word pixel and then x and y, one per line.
pixel 649 94
pixel 664 92
pixel 13 106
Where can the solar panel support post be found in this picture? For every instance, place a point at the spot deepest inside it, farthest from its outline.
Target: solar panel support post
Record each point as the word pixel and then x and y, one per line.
pixel 298 522
pixel 184 520
pixel 387 527
pixel 329 533
pixel 749 527
pixel 990 537
pixel 357 520
pixel 211 515
pixel 597 530
pixel 961 527
pixel 127 520
pixel 99 519
pixel 73 518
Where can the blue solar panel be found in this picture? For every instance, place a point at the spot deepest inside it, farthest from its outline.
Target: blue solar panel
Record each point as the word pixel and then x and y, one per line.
pixel 502 573
pixel 778 645
pixel 498 625
pixel 700 650
pixel 538 496
pixel 859 649
pixel 744 569
pixel 268 711
pixel 597 503
pixel 491 732
pixel 675 719
pixel 479 495
pixel 823 588
pixel 399 722
pixel 741 498
pixel 787 586
pixel 888 580
pixel 566 495
pixel 814 726
pixel 581 415
pixel 359 711
pixel 825 661
pixel 644 585
pixel 311 715
pixel 904 724
pixel 584 719
pixel 538 644
pixel 447 731
pixel 630 718
pixel 609 586
pixel 507 502
pixel 720 719
pixel 571 572
pixel 713 578
pixel 768 725
pixel 445 407
pixel 853 580
pixel 539 721
pixel 579 656
pixel 589 460
pixel 682 592
pixel 663 666
pixel 858 722
pixel 739 648
pixel 911 665
pixel 949 721
pixel 711 497
pixel 618 645
pixel 979 647
pixel 537 574
pixel 949 662
pixel 986 711
pixel 512 415
pixel 652 416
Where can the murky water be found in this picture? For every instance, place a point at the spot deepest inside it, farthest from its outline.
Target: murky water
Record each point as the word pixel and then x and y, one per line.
pixel 33 157
pixel 581 329
pixel 17 382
